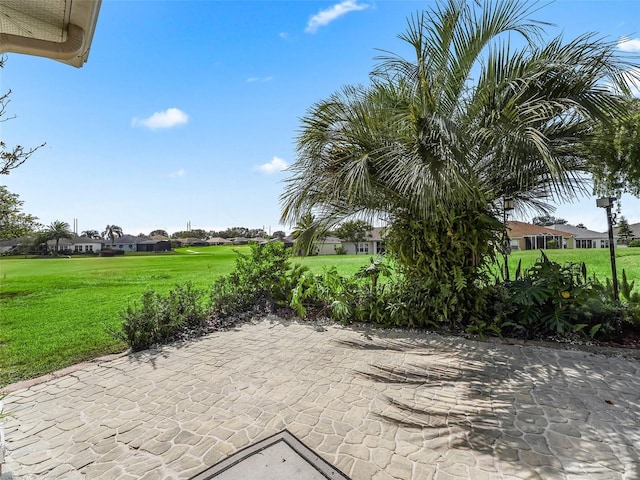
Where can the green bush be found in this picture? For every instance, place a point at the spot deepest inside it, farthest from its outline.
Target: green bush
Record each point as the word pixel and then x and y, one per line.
pixel 635 243
pixel 444 265
pixel 260 279
pixel 550 299
pixel 160 319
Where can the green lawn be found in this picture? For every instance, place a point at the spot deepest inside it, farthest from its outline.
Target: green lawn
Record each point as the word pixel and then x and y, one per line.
pixel 56 312
pixel 597 260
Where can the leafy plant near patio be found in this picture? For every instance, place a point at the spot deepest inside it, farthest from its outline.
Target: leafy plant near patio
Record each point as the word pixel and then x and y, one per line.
pixel 261 279
pixel 550 299
pixel 159 319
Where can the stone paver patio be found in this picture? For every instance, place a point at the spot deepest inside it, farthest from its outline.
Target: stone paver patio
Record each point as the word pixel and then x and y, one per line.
pixel 377 405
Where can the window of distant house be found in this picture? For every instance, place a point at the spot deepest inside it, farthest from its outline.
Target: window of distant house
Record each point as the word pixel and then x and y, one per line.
pixel 604 244
pixel 363 248
pixel 89 248
pixel 584 244
pixel 75 248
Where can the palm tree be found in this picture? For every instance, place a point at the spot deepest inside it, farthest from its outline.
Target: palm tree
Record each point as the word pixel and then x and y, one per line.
pixel 436 143
pixel 111 232
pixel 91 234
pixel 306 235
pixel 57 230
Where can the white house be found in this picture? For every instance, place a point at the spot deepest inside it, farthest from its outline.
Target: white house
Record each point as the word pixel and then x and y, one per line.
pixel 372 245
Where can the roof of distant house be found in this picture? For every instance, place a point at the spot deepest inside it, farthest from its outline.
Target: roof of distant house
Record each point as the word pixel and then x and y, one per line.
pixel 522 229
pixel 578 232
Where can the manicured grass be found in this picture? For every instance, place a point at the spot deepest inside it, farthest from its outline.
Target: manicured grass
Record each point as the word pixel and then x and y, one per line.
pixel 59 311
pixel 56 312
pixel 597 261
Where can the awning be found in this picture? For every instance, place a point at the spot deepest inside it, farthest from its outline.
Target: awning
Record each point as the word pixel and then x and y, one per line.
pixel 58 29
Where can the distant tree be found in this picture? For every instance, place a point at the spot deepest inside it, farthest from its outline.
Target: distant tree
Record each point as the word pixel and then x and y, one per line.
pixel 547 220
pixel 195 233
pixel 625 234
pixel 111 232
pixel 614 154
pixel 353 231
pixel 159 232
pixel 279 234
pixel 580 225
pixel 91 234
pixel 13 222
pixel 198 233
pixel 11 158
pixel 57 230
pixel 256 232
pixel 237 232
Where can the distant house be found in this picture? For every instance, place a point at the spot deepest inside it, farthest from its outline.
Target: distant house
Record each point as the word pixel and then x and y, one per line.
pixel 153 246
pixel 15 245
pixel 125 242
pixel 77 245
pixel 373 245
pixel 525 236
pixel 584 238
pixel 193 242
pixel 328 246
pixel 239 240
pixel 218 241
pixel 286 241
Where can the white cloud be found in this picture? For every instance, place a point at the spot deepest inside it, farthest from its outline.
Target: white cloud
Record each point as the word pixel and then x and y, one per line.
pixel 259 79
pixel 171 117
pixel 283 35
pixel 629 44
pixel 178 174
pixel 275 165
pixel 325 17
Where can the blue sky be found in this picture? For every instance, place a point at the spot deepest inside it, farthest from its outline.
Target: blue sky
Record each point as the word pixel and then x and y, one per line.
pixel 187 111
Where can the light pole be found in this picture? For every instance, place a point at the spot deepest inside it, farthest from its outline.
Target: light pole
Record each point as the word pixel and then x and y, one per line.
pixel 607 203
pixel 507 206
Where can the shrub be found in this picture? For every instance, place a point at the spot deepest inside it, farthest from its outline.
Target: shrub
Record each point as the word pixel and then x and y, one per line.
pixel 551 299
pixel 635 243
pixel 444 263
pixel 110 252
pixel 259 279
pixel 161 319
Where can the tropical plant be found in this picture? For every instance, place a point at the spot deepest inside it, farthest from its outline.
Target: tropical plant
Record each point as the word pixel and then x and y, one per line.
pixel 434 143
pixel 111 232
pixel 91 234
pixel 57 230
pixel 306 235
